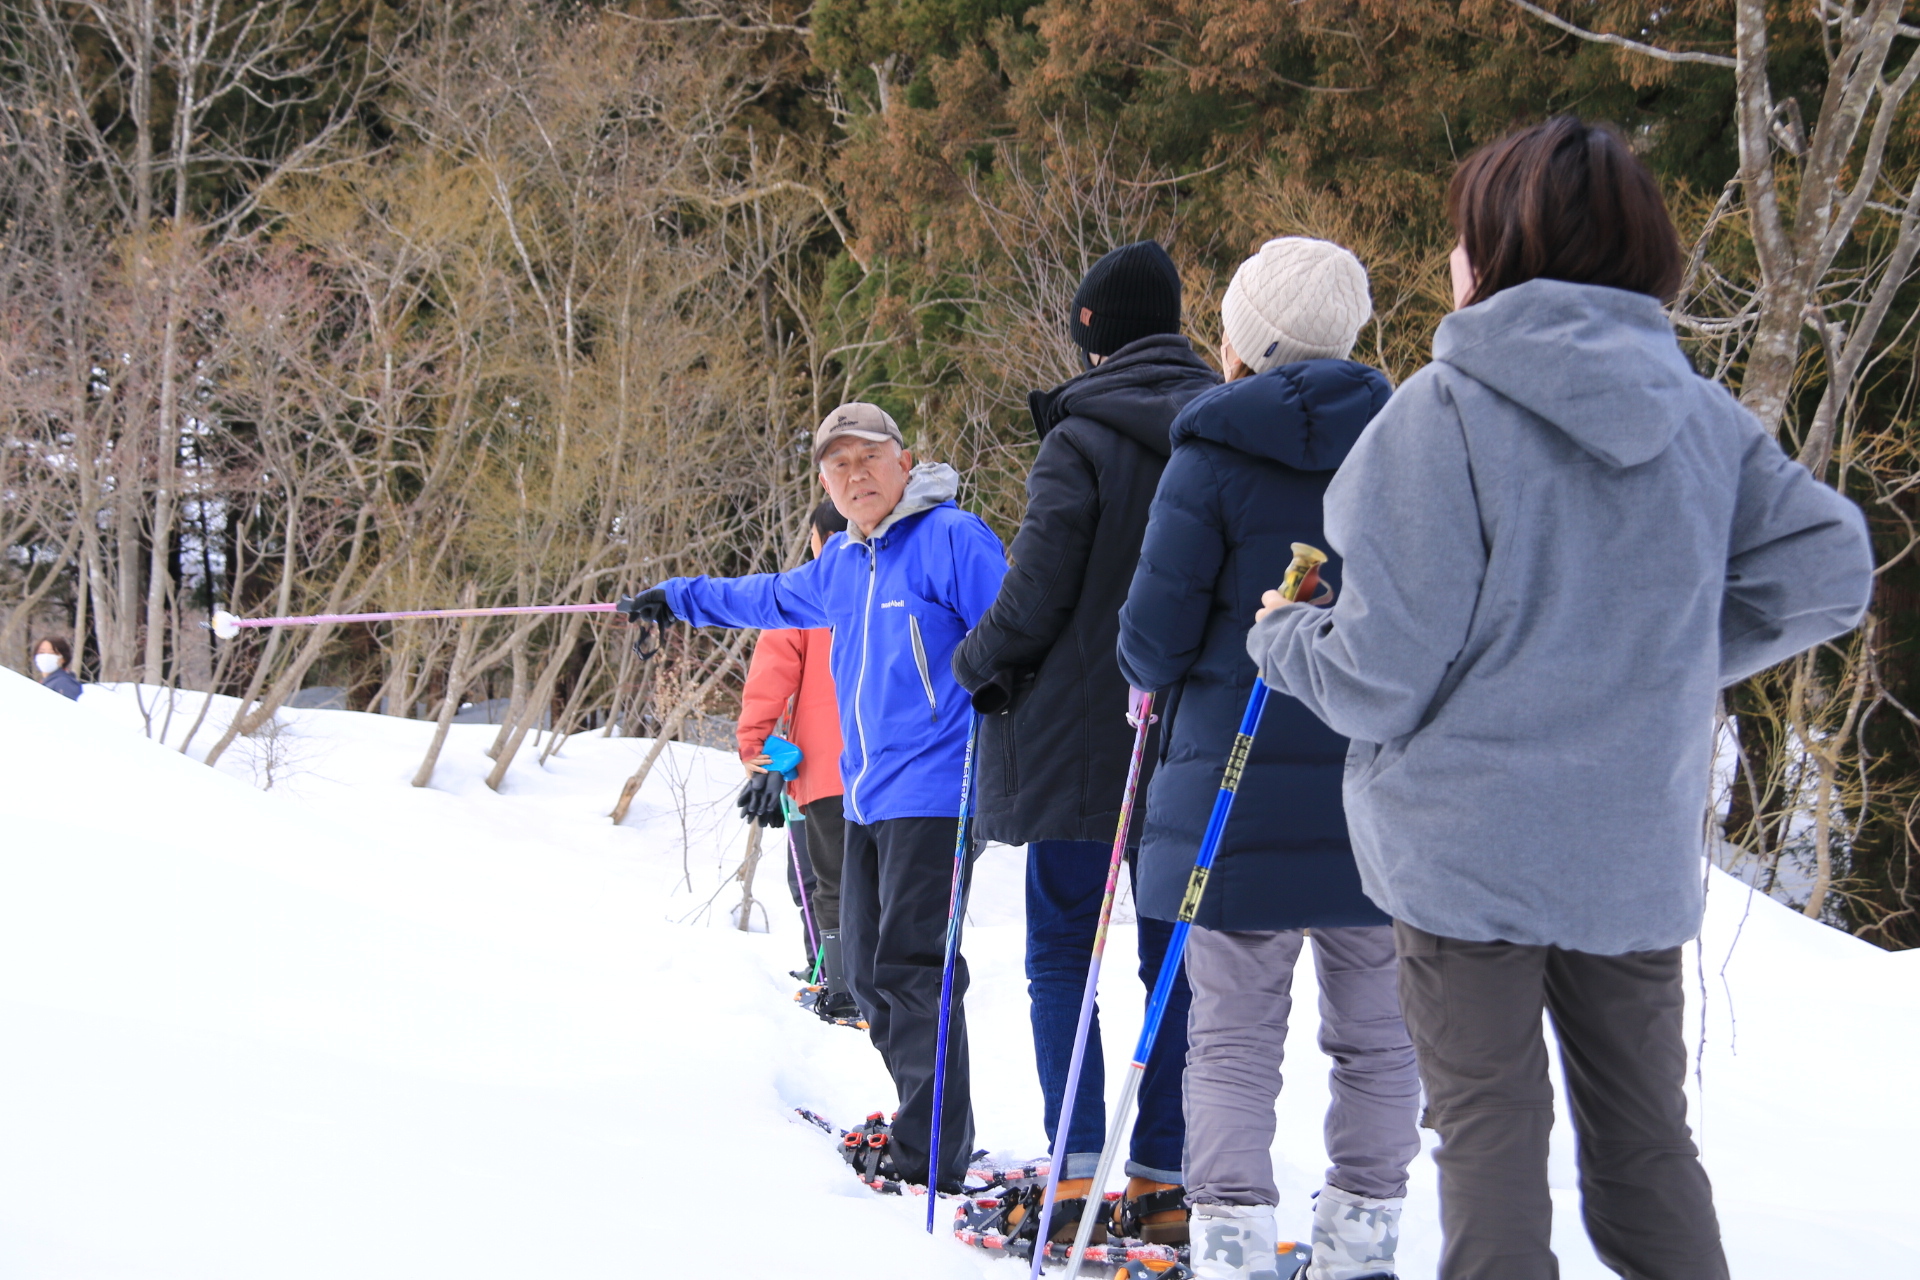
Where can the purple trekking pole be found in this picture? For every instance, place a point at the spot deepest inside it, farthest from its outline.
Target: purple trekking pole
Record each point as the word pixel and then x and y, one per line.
pixel 956 899
pixel 806 907
pixel 1140 728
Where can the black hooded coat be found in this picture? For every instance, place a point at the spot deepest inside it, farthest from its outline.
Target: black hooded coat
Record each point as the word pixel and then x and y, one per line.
pixel 1251 463
pixel 1041 664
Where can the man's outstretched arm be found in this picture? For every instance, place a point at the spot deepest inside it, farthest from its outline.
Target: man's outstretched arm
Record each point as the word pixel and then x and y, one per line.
pixel 790 599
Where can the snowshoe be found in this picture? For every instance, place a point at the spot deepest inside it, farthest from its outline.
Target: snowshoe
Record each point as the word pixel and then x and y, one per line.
pixel 841 1012
pixel 867 1150
pixel 829 998
pixel 994 1223
pixel 1155 1212
pixel 1069 1206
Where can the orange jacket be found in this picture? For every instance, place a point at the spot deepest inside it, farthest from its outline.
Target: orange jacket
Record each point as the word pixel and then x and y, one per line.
pixel 789 669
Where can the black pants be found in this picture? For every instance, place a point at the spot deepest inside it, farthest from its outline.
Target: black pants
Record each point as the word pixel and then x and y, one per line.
pixel 818 845
pixel 893 927
pixel 1473 1009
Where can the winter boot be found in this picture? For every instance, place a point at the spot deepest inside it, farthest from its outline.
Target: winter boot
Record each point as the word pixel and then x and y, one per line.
pixel 1353 1236
pixel 1155 1212
pixel 1069 1205
pixel 1234 1242
pixel 836 1001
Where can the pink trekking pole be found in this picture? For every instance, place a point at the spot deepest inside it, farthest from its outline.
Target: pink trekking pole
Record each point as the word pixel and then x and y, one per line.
pixel 1096 1195
pixel 226 626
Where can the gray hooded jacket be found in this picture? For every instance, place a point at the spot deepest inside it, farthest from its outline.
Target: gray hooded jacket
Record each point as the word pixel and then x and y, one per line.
pixel 1559 544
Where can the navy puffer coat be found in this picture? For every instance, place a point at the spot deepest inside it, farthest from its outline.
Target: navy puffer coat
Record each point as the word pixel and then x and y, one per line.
pixel 1251 461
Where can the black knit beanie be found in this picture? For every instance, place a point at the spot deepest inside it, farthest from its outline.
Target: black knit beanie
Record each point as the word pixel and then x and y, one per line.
pixel 1132 292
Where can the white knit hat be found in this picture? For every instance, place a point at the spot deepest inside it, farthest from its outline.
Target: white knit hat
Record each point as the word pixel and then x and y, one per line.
pixel 1296 299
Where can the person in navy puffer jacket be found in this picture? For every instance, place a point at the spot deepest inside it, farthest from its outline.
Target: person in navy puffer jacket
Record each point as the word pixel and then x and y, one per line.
pixel 1251 460
pixel 901 587
pixel 53 659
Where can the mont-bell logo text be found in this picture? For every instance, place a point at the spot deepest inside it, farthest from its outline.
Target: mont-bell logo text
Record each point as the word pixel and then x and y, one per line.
pixel 893 604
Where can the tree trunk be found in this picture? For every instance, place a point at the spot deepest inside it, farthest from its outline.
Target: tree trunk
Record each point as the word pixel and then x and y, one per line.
pixel 537 705
pixel 457 679
pixel 166 465
pixel 516 701
pixel 748 866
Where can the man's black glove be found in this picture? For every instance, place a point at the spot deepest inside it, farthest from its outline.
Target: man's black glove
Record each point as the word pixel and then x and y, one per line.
pixel 760 799
pixel 649 606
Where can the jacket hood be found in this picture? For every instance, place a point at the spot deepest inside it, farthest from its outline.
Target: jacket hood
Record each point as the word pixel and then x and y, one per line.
pixel 928 485
pixel 1136 392
pixel 1600 364
pixel 1306 415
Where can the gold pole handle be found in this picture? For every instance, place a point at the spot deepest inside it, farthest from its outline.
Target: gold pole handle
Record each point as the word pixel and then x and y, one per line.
pixel 1303 575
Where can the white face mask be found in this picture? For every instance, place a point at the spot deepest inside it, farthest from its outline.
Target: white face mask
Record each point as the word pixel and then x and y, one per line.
pixel 47 662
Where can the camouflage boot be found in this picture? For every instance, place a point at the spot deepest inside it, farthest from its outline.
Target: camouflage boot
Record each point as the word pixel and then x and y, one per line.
pixel 1233 1242
pixel 1353 1236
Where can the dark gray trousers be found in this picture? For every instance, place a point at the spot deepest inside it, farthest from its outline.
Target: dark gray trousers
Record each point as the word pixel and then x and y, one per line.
pixel 1237 1033
pixel 1473 1009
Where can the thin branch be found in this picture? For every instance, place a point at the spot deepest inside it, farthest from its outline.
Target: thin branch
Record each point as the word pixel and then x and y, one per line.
pixel 1621 42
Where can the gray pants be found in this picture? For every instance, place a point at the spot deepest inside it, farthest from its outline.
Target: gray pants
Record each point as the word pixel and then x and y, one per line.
pixel 1237 1034
pixel 1474 1010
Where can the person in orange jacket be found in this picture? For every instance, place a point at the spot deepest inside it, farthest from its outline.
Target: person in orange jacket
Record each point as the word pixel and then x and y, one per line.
pixel 789 680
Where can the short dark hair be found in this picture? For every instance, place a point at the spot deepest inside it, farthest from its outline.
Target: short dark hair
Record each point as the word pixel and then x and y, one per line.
pixel 1564 200
pixel 60 646
pixel 827 520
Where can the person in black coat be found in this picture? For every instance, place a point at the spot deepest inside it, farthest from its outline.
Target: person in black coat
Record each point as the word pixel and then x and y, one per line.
pixel 1055 742
pixel 1251 461
pixel 53 660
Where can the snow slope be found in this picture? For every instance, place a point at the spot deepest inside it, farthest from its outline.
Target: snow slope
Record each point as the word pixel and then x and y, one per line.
pixel 343 1027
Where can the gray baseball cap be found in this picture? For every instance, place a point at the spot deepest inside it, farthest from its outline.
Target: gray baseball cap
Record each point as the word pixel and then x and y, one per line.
pixel 860 420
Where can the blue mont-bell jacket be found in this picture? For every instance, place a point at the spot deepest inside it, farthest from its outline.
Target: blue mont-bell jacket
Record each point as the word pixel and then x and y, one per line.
pixel 899 603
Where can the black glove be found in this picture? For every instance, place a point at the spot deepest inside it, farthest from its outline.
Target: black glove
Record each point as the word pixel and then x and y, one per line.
pixel 995 696
pixel 649 606
pixel 760 799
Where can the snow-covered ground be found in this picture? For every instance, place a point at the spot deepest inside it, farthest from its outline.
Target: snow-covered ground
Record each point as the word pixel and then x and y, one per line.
pixel 342 1027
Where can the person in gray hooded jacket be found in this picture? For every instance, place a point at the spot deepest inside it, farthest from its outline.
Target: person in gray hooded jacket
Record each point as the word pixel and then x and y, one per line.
pixel 1559 545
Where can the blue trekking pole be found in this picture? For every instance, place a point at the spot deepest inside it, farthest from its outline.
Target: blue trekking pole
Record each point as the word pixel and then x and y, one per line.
pixel 1065 1124
pixel 1301 575
pixel 955 896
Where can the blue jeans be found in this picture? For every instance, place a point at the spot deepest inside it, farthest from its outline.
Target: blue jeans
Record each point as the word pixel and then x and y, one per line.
pixel 1065 881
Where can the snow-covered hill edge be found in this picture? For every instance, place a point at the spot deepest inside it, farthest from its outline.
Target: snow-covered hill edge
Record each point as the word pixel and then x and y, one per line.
pixel 349 1027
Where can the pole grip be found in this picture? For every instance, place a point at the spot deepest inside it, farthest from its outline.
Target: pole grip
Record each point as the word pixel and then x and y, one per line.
pixel 1303 575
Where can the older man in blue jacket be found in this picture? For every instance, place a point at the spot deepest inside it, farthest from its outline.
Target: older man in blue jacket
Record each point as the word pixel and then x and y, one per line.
pixel 901 587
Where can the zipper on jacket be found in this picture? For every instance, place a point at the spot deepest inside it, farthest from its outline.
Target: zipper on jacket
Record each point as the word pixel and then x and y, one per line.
pixel 860 684
pixel 920 661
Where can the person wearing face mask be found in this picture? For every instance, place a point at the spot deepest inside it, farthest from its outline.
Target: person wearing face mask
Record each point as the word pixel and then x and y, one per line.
pixel 909 577
pixel 1560 544
pixel 52 658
